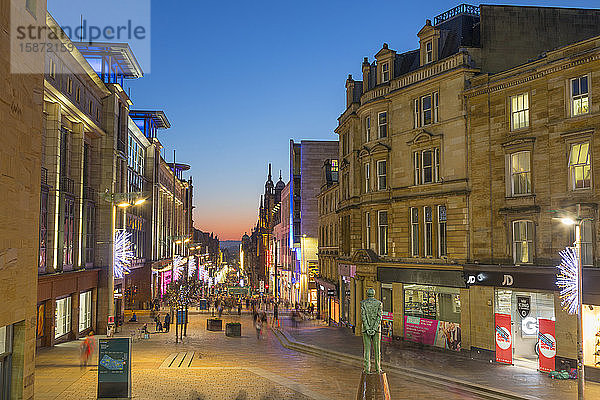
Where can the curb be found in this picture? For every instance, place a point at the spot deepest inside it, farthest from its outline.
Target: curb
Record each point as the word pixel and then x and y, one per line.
pixel 430 378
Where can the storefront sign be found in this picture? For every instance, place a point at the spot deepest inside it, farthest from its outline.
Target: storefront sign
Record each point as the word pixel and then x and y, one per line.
pixel 421 276
pixel 387 325
pixel 432 332
pixel 503 338
pixel 511 279
pixel 547 345
pixel 524 305
pixel 114 368
pixel 331 292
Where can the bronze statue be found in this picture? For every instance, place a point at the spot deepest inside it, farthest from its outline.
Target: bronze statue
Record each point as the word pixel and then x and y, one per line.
pixel 371 310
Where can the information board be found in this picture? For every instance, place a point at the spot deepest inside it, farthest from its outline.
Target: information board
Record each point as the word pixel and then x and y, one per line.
pixel 114 368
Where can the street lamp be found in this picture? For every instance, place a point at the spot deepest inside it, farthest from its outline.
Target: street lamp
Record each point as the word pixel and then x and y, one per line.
pixel 567 291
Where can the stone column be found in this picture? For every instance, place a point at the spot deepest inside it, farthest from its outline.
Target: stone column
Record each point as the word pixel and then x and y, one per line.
pixel 52 163
pixel 398 308
pixel 75 314
pixel 77 143
pixel 359 296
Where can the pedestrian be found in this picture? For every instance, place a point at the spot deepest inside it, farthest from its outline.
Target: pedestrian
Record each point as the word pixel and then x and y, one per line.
pixel 276 314
pixel 220 310
pixel 258 325
pixel 86 349
pixel 240 308
pixel 157 321
pixel 167 322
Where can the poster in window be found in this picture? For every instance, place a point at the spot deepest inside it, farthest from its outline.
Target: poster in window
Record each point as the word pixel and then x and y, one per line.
pixel 387 325
pixel 503 338
pixel 547 345
pixel 40 320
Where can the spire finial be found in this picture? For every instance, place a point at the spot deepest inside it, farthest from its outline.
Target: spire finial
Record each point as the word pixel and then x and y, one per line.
pixel 269 171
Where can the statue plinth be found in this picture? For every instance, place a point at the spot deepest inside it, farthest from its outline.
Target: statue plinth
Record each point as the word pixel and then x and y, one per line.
pixel 373 387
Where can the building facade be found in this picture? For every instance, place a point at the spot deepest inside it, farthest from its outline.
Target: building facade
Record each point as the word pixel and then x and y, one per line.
pixel 21 122
pixel 330 306
pixel 306 160
pixel 448 186
pixel 532 138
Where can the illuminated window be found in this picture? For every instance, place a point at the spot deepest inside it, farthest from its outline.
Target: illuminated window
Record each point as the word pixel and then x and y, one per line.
pixel 428 231
pixel 62 315
pixel 68 231
pixel 522 242
pixel 579 96
pixel 520 173
pixel 85 310
pixel 579 166
pixel 442 238
pixel 519 111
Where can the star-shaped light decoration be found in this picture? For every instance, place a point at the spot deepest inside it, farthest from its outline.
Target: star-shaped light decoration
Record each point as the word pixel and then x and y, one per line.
pixel 568 279
pixel 123 253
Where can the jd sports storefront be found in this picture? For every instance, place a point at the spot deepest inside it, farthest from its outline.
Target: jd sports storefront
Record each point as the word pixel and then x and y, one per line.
pixel 524 314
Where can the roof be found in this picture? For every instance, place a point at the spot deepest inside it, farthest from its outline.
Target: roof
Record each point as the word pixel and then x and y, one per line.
pixel 157 116
pixel 121 53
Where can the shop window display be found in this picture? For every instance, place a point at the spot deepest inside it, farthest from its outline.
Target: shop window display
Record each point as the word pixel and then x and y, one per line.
pixel 432 316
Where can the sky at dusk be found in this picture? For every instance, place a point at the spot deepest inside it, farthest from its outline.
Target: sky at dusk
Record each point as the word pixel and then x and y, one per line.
pixel 239 79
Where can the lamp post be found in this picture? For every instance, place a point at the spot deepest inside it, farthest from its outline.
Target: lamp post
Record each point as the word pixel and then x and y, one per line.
pixel 577 221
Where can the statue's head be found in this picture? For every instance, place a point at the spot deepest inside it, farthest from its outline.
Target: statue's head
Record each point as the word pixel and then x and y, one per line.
pixel 370 292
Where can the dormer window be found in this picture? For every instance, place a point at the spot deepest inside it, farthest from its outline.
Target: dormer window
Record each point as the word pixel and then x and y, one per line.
pixel 428 52
pixel 385 72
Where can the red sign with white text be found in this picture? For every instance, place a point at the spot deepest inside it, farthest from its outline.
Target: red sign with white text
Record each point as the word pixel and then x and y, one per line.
pixel 503 336
pixel 547 344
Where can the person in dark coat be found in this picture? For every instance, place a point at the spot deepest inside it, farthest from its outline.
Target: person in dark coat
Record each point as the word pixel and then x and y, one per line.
pixel 167 322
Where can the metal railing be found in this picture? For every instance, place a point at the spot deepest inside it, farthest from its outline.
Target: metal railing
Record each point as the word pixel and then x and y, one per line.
pixel 44 176
pixel 460 9
pixel 89 193
pixel 67 185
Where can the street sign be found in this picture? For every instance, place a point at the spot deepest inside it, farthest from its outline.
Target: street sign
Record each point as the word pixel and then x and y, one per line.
pixel 261 286
pixel 114 368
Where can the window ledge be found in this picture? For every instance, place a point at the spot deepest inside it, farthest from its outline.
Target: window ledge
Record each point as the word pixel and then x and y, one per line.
pixel 520 196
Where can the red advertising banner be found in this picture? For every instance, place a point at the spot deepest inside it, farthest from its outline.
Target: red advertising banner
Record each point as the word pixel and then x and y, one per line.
pixel 503 338
pixel 547 344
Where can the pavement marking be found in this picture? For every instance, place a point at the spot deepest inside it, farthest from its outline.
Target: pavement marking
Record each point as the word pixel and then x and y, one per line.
pixel 178 360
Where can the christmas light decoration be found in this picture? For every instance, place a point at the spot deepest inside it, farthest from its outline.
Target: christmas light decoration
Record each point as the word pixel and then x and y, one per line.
pixel 123 253
pixel 568 280
pixel 177 266
pixel 191 266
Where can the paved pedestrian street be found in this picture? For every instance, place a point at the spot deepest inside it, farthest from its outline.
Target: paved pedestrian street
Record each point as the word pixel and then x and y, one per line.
pixel 209 365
